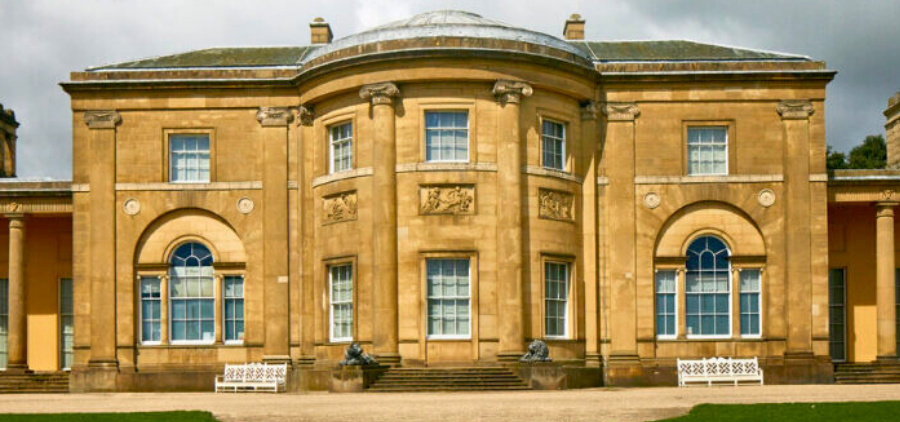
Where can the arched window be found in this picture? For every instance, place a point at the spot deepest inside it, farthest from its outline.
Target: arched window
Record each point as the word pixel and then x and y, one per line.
pixel 191 294
pixel 707 288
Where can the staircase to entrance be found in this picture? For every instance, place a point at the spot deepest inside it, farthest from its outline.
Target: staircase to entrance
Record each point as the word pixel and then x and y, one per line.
pixel 448 379
pixel 37 382
pixel 866 373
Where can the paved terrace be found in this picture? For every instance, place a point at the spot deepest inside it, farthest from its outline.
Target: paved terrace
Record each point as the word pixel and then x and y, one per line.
pixel 639 404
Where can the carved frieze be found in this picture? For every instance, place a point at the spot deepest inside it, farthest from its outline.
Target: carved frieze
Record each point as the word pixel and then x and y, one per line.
pixel 102 119
pixel 556 205
pixel 511 91
pixel 620 111
pixel 274 116
pixel 447 199
pixel 339 207
pixel 795 109
pixel 380 93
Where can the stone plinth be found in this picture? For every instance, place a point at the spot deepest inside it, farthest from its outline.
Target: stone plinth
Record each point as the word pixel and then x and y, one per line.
pixel 557 376
pixel 355 379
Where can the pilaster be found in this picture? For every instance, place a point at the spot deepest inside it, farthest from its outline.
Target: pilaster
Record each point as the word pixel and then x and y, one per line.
pixel 274 136
pixel 384 220
pixel 510 282
pixel 102 174
pixel 797 224
pixel 590 152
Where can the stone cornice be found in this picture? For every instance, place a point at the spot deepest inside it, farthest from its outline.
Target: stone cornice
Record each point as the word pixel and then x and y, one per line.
pixel 795 109
pixel 508 91
pixel 274 116
pixel 102 119
pixel 423 167
pixel 620 112
pixel 733 178
pixel 344 175
pixel 253 185
pixel 380 93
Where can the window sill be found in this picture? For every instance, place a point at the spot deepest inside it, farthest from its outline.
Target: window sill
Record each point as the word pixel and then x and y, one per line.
pixel 448 338
pixel 667 338
pixel 336 341
pixel 722 337
pixel 547 172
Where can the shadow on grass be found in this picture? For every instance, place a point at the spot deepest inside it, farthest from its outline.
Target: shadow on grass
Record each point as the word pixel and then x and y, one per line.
pixel 112 417
pixel 794 412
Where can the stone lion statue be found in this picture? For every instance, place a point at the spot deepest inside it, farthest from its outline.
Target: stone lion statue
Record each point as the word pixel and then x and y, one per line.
pixel 537 352
pixel 354 356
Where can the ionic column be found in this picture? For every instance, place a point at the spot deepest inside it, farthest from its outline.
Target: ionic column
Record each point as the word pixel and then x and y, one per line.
pixel 384 220
pixel 102 240
pixel 275 123
pixel 17 339
pixel 885 267
pixel 510 282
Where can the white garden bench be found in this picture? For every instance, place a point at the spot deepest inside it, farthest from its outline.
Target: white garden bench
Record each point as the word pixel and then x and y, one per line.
pixel 719 370
pixel 252 377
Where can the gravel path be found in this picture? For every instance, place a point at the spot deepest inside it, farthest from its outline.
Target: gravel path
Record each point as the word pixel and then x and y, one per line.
pixel 636 404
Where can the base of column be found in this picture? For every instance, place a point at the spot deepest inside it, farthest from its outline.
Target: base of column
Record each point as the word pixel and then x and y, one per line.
pixel 277 359
pixel 388 359
pixel 625 370
pixel 887 360
pixel 593 360
pixel 304 361
pixel 103 363
pixel 510 357
pixel 17 369
pixel 97 376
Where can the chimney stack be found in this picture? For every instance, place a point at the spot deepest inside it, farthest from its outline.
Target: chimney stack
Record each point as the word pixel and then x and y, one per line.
pixel 320 32
pixel 893 132
pixel 8 126
pixel 574 29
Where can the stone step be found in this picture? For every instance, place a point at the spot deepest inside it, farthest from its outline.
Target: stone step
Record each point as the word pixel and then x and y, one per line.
pixel 448 379
pixel 53 382
pixel 444 389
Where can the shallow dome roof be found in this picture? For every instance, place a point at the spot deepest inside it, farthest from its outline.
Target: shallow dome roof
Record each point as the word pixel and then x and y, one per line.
pixel 447 23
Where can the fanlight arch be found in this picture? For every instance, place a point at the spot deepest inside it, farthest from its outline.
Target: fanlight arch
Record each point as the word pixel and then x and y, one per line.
pixel 168 232
pixel 726 222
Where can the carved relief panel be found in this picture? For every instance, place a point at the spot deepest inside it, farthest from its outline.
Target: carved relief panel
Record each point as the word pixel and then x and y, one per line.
pixel 447 199
pixel 339 207
pixel 556 205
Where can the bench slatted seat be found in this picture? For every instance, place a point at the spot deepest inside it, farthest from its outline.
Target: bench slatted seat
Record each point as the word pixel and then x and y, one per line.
pixel 252 377
pixel 719 370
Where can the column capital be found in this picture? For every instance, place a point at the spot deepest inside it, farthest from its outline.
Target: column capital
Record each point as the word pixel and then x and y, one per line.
pixel 16 219
pixel 589 110
pixel 102 119
pixel 795 109
pixel 274 116
pixel 306 114
pixel 508 91
pixel 380 93
pixel 620 112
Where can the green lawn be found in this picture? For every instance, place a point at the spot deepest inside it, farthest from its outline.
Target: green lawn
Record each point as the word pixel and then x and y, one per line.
pixel 794 412
pixel 113 417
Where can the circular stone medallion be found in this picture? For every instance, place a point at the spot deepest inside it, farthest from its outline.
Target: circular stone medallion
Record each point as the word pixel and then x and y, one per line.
pixel 245 205
pixel 766 197
pixel 651 200
pixel 132 206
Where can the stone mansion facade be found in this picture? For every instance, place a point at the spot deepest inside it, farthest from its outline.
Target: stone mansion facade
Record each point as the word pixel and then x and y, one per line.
pixel 443 190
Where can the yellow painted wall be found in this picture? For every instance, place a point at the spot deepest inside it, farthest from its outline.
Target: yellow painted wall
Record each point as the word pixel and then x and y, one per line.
pixel 851 245
pixel 48 257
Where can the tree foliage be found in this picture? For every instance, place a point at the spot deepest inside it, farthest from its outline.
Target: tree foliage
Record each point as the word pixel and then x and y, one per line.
pixel 871 154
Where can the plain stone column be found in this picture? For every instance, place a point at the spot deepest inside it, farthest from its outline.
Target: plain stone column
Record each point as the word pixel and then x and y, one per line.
pixel 885 267
pixel 275 123
pixel 17 334
pixel 384 220
pixel 624 362
pixel 510 280
pixel 102 174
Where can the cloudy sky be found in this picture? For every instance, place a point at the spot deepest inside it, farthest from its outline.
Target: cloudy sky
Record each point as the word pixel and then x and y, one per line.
pixel 41 41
